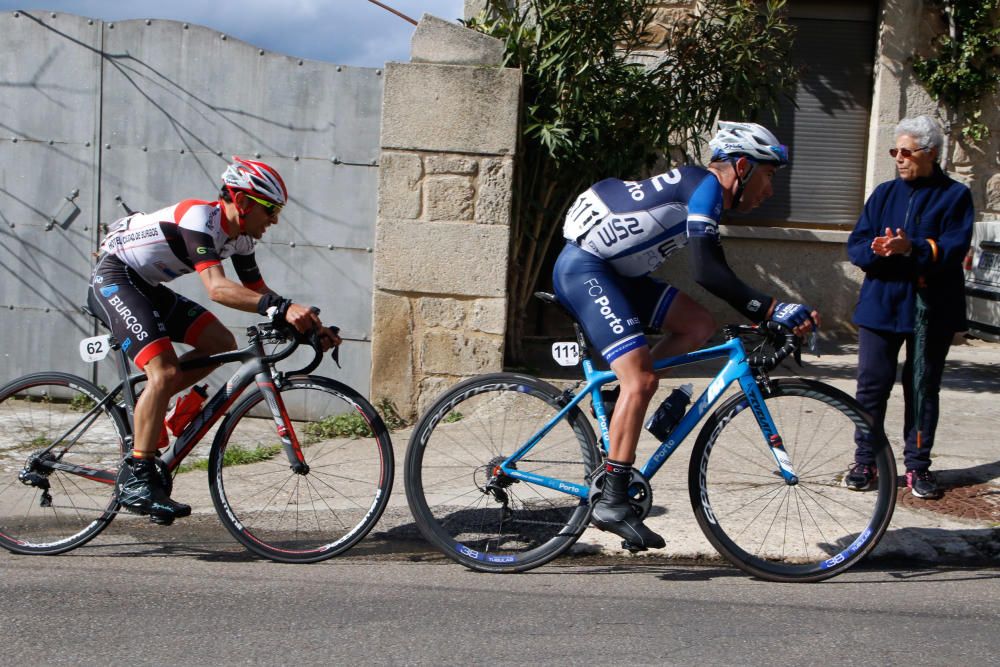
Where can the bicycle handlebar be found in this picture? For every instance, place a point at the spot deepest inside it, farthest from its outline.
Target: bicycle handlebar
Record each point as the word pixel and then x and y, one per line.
pixel 781 340
pixel 279 331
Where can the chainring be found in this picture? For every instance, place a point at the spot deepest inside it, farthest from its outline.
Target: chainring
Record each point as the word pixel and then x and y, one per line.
pixel 640 493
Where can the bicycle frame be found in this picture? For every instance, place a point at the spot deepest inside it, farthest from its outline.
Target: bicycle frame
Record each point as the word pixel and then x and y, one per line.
pixel 737 369
pixel 255 368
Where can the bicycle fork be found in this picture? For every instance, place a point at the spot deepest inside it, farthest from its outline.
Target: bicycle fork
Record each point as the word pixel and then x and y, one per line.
pixel 751 389
pixel 283 424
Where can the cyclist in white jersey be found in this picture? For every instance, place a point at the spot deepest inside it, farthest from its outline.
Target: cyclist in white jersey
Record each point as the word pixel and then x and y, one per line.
pixel 145 250
pixel 617 232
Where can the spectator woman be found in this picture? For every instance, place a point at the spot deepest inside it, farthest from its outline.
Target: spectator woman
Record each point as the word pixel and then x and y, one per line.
pixel 910 241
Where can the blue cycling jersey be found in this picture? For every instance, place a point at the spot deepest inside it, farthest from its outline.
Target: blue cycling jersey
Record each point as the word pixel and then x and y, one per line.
pixel 618 232
pixel 636 225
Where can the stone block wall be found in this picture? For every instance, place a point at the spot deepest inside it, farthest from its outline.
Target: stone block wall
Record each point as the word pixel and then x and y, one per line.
pixel 449 134
pixel 667 14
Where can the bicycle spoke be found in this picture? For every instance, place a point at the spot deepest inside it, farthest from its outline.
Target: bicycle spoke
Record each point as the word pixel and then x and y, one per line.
pixel 466 505
pixel 804 531
pixel 287 516
pixel 56 510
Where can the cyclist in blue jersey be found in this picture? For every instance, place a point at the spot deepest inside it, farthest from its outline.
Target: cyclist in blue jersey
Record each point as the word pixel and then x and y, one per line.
pixel 617 232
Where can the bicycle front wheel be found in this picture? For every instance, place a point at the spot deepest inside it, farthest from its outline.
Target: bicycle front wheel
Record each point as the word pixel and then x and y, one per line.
pixel 806 531
pixel 58 462
pixel 308 516
pixel 461 500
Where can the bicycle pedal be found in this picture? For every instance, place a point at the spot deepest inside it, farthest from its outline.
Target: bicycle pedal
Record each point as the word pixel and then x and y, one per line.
pixel 633 548
pixel 161 520
pixel 132 510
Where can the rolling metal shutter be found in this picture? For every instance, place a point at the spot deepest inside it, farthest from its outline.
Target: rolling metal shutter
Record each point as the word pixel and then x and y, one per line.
pixel 827 134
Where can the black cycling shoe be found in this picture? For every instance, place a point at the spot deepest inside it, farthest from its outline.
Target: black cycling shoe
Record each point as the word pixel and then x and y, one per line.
pixel 620 519
pixel 614 513
pixel 140 490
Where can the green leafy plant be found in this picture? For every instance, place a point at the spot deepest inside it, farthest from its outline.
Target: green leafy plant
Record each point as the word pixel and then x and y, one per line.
pixel 81 403
pixel 452 417
pixel 236 455
pixel 599 101
pixel 351 425
pixel 390 415
pixel 965 67
pixel 36 442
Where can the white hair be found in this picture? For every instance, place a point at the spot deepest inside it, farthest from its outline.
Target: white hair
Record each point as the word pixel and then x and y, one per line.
pixel 924 130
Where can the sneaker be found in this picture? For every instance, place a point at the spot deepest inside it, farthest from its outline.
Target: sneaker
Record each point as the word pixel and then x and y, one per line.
pixel 141 490
pixel 609 397
pixel 861 477
pixel 923 484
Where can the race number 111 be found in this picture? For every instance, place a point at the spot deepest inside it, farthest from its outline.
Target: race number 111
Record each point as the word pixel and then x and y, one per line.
pixel 566 354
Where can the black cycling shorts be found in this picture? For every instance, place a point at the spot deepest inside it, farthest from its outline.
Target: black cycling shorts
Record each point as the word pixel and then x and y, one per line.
pixel 143 318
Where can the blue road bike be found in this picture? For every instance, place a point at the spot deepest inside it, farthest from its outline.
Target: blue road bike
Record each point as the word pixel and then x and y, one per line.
pixel 502 470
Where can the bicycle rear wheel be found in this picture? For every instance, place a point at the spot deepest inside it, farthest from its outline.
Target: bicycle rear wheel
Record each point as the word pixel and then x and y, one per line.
pixel 290 517
pixel 808 531
pixel 475 514
pixel 44 422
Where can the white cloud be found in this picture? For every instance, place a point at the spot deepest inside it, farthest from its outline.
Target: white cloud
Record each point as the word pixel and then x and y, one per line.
pixel 348 32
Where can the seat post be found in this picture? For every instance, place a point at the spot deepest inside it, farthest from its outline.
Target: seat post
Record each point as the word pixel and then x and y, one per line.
pixel 581 339
pixel 128 390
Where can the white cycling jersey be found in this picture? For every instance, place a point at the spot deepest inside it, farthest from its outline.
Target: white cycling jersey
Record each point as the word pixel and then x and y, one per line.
pixel 186 237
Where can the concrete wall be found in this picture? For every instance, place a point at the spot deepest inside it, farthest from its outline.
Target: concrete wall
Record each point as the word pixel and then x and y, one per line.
pixel 449 134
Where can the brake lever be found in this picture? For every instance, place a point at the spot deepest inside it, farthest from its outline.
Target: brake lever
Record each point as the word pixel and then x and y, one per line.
pixel 335 353
pixel 814 343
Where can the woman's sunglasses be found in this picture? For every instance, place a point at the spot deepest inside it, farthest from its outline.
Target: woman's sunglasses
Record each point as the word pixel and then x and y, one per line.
pixel 906 152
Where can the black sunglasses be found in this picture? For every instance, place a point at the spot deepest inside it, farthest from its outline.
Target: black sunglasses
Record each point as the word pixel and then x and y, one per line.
pixel 906 152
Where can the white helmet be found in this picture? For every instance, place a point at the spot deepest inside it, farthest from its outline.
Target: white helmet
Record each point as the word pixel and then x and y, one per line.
pixel 750 140
pixel 255 178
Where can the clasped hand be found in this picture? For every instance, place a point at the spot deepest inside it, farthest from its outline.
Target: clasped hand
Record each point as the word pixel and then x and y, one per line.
pixel 892 244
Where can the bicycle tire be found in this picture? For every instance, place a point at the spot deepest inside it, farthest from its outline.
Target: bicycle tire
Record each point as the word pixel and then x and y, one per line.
pixel 458 442
pixel 809 531
pixel 302 518
pixel 35 410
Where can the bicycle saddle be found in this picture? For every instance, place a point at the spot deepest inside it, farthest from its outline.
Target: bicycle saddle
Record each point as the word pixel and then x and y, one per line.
pixel 89 310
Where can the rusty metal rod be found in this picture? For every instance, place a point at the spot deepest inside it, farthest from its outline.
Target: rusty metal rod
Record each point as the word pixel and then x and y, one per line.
pixel 390 9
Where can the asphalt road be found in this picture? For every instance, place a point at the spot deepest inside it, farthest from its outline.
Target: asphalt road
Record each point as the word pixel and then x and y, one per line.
pixel 188 595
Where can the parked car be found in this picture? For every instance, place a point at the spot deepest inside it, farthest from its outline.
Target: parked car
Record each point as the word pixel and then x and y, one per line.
pixel 982 281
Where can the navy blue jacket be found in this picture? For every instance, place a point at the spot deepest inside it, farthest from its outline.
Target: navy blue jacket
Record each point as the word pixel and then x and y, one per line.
pixel 936 214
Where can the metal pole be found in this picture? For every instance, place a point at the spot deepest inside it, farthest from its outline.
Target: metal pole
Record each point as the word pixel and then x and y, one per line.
pixel 390 9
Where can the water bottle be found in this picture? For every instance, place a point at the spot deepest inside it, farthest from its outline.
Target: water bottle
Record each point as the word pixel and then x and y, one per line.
pixel 164 440
pixel 186 407
pixel 670 412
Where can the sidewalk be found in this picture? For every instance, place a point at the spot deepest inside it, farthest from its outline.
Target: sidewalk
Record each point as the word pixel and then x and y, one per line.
pixel 963 528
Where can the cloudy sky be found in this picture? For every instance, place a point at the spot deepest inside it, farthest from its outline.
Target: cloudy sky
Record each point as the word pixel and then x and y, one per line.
pixel 347 32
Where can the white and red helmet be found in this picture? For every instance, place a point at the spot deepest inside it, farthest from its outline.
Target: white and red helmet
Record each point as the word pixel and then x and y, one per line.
pixel 257 179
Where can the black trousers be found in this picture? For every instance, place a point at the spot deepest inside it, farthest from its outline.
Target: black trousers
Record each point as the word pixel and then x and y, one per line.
pixel 878 352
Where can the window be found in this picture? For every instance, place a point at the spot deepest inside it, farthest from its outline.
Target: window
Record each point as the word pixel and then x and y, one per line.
pixel 827 134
